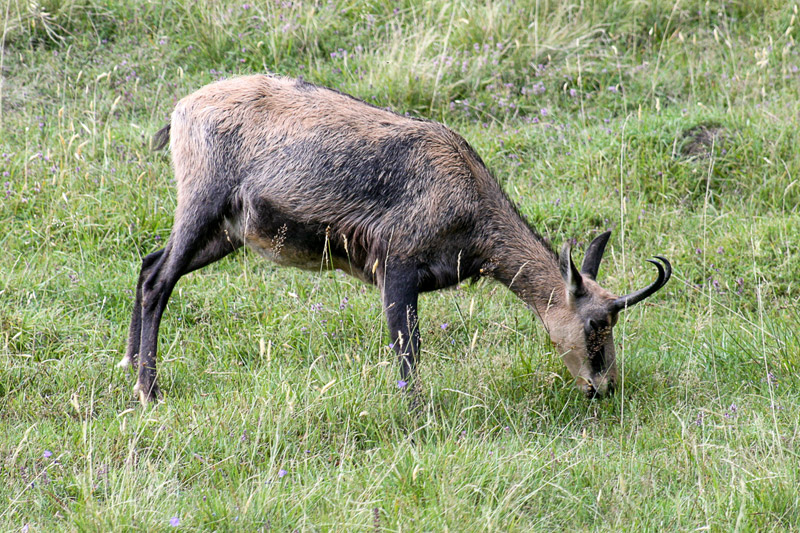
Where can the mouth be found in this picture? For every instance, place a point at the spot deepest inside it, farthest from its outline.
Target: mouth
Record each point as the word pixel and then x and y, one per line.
pixel 592 393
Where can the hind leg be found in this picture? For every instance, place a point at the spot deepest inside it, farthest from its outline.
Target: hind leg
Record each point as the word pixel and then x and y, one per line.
pixel 189 248
pixel 135 331
pixel 216 249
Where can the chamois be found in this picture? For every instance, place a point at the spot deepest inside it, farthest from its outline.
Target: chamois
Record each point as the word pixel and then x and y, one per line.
pixel 307 175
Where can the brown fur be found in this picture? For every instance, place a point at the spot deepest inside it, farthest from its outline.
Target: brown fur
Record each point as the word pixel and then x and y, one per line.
pixel 296 171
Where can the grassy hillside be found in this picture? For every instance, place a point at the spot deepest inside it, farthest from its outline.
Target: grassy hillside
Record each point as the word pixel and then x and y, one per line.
pixel 676 123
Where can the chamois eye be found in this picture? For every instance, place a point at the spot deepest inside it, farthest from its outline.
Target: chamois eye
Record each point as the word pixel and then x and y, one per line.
pixel 594 326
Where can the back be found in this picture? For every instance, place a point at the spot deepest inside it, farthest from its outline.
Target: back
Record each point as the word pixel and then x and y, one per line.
pixel 291 153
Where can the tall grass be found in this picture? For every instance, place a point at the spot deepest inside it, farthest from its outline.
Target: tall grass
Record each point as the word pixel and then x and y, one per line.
pixel 674 123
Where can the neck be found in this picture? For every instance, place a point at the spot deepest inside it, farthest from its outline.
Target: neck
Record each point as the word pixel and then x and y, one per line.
pixel 524 263
pixel 518 257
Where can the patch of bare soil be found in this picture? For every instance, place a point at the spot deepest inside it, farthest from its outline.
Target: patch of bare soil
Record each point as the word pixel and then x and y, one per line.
pixel 698 141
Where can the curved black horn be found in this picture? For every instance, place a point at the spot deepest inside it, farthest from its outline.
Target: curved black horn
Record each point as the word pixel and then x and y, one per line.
pixel 594 253
pixel 629 300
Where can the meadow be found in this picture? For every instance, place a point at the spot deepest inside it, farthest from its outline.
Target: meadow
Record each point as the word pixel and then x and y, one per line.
pixel 676 123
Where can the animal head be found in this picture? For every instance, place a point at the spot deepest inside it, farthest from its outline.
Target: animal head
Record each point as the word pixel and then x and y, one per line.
pixel 583 329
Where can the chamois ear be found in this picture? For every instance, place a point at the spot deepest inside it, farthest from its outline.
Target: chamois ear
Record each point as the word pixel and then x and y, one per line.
pixel 594 254
pixel 572 278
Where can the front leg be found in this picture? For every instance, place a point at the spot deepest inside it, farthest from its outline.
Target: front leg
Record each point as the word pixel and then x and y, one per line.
pixel 400 292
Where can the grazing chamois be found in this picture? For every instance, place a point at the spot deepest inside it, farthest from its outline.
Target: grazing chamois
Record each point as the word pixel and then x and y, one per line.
pixel 311 177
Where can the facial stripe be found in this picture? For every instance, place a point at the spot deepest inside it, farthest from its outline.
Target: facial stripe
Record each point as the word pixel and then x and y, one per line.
pixel 597 358
pixel 596 349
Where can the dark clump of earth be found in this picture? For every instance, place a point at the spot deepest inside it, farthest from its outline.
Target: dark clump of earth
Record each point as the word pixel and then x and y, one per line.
pixel 699 141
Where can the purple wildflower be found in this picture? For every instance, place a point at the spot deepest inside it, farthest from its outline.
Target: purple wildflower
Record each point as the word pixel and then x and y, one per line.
pixel 444 326
pixel 401 384
pixel 47 454
pixel 282 472
pixel 174 521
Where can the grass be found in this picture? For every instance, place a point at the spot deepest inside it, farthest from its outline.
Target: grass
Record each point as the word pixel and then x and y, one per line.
pixel 282 408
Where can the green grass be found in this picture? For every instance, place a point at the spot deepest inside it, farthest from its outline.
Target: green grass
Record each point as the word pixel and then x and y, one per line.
pixel 588 114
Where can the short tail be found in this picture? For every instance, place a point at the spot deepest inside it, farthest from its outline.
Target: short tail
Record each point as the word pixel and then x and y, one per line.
pixel 160 139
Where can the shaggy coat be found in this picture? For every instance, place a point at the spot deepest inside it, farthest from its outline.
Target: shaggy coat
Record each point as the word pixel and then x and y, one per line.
pixel 311 177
